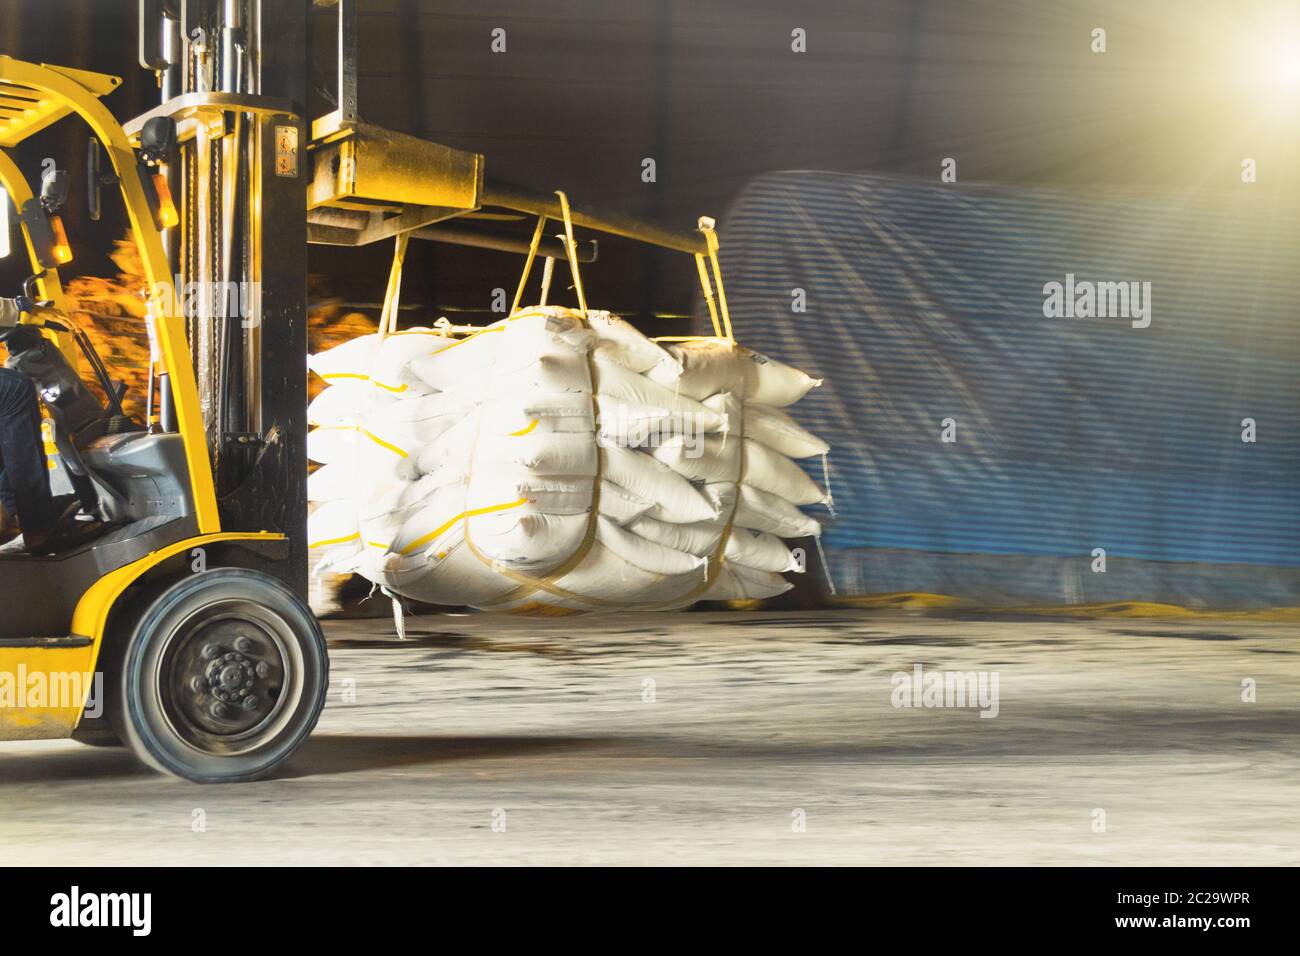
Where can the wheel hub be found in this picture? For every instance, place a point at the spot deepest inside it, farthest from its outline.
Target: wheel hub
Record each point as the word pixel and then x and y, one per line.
pixel 232 673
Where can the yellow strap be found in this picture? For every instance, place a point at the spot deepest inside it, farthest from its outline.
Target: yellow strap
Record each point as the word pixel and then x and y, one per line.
pixel 528 263
pixel 393 294
pixel 354 536
pixel 469 513
pixel 548 270
pixel 571 248
pixel 711 240
pixel 708 293
pixel 383 444
pixel 358 375
pixel 470 337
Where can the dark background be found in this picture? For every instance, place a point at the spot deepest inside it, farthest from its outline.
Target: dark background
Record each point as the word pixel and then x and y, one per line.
pixel 711 90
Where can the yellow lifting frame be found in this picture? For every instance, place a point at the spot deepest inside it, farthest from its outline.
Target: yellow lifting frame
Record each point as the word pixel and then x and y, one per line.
pixel 719 314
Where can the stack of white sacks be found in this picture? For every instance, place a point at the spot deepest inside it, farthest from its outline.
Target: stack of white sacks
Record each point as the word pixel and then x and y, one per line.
pixel 552 461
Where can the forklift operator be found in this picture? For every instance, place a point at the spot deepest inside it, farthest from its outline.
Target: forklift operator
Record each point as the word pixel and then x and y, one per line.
pixel 48 524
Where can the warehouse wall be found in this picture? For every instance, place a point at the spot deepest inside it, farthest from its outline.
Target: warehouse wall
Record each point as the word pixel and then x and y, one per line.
pixel 713 92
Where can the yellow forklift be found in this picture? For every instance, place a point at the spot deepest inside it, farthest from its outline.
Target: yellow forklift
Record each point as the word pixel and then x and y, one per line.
pixel 203 662
pixel 182 630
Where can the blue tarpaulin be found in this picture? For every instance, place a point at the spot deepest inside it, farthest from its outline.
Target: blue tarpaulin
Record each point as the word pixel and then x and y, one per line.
pixel 925 313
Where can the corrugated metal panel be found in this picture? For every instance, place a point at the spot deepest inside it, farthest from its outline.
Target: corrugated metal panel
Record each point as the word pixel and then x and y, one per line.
pixel 925 302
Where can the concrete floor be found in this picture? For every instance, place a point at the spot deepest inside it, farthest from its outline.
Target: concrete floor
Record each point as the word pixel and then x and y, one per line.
pixel 754 717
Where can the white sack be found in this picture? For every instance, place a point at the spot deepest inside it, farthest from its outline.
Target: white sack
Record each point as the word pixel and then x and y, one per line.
pixel 706 368
pixel 674 498
pixel 736 582
pixel 620 342
pixel 758 550
pixel 340 404
pixel 699 538
pixel 774 428
pixel 771 471
pixel 762 511
pixel 646 554
pixel 625 387
pixel 332 534
pixel 349 361
pixel 712 458
pixel 332 482
pixel 620 505
pixel 389 362
pixel 331 442
pixel 709 367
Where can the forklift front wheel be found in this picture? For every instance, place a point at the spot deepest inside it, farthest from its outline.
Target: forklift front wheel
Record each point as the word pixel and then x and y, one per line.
pixel 223 678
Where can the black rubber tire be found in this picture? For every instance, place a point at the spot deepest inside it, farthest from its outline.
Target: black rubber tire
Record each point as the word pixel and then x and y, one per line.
pixel 162 717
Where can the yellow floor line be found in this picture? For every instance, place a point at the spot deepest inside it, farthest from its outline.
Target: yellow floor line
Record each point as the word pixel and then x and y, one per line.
pixel 1130 609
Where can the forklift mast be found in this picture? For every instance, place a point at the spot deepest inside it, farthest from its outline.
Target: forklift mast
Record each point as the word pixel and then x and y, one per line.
pixel 233 77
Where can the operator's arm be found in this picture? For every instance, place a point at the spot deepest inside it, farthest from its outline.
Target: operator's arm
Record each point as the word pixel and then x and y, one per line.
pixel 16 335
pixel 10 312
